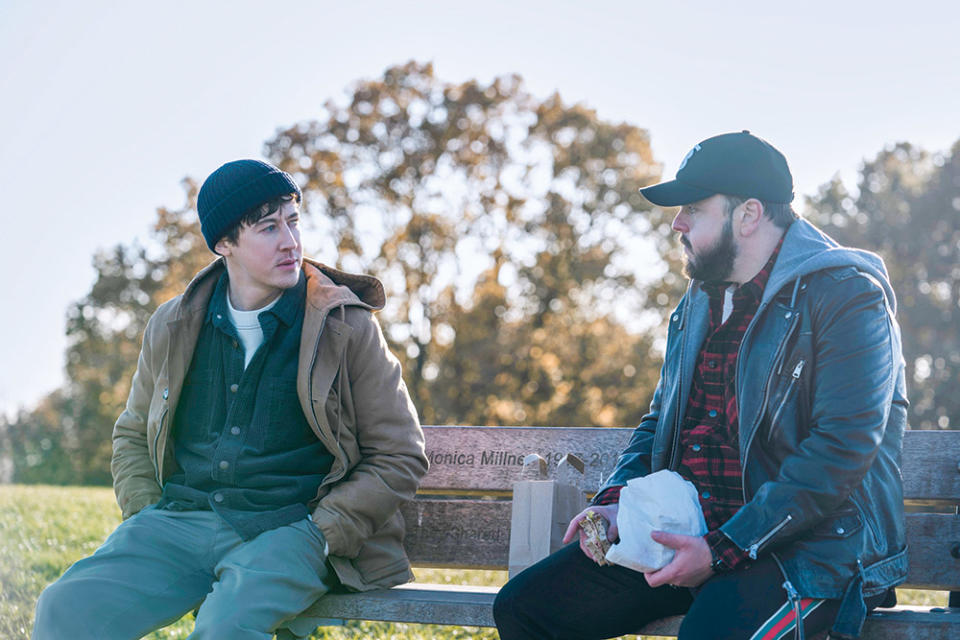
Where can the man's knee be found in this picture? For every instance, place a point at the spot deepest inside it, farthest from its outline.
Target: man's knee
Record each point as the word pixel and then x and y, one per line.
pixel 519 608
pixel 507 610
pixel 503 604
pixel 59 613
pixel 224 615
pixel 240 622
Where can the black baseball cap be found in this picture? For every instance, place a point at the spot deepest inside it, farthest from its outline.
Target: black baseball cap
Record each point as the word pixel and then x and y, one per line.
pixel 734 164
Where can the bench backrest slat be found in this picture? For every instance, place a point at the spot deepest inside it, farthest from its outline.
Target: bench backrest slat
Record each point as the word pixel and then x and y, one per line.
pixel 475 534
pixel 931 539
pixel 931 465
pixel 462 534
pixel 490 458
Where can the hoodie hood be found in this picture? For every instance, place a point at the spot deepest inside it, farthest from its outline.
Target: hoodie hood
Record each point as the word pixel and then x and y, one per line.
pixel 806 250
pixel 328 287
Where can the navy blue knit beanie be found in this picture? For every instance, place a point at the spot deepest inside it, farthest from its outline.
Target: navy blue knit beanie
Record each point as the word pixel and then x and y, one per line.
pixel 236 188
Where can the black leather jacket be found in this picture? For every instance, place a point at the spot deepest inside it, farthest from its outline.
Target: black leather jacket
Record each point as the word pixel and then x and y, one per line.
pixel 822 404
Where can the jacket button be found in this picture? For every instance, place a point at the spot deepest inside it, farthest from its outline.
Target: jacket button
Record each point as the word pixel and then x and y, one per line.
pixel 676 317
pixel 224 465
pixel 696 447
pixel 840 531
pixel 705 495
pixel 788 314
pixel 713 413
pixel 218 497
pixel 235 430
pixel 234 388
pixel 166 392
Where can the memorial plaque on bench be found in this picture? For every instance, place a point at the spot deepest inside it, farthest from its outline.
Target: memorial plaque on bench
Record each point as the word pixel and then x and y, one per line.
pixel 491 458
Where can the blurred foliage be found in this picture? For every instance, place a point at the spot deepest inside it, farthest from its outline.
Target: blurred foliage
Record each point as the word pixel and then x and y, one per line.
pixel 907 209
pixel 525 274
pixel 418 181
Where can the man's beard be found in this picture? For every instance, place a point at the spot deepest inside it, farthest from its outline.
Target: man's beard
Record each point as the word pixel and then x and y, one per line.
pixel 716 263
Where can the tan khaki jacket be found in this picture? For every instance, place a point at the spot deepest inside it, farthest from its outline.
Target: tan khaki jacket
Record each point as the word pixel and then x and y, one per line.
pixel 351 393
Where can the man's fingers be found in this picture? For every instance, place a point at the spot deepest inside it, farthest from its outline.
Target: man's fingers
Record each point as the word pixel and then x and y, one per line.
pixel 612 531
pixel 672 540
pixel 658 578
pixel 573 528
pixel 690 566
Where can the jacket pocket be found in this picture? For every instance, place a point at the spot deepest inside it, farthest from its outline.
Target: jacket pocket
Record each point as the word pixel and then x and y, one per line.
pixel 864 517
pixel 840 525
pixel 795 373
pixel 284 425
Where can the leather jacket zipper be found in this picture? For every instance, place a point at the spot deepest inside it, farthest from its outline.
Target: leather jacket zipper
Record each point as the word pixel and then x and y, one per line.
pixel 781 348
pixel 795 378
pixel 753 549
pixel 675 449
pixel 679 411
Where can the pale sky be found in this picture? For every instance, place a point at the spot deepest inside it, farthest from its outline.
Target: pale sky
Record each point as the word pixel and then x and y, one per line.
pixel 107 105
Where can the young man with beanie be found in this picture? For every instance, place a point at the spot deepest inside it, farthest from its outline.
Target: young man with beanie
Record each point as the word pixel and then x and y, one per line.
pixel 266 445
pixel 782 399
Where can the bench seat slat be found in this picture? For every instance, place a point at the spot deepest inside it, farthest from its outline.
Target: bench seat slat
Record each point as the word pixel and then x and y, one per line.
pixel 915 623
pixel 424 604
pixel 472 606
pixel 899 623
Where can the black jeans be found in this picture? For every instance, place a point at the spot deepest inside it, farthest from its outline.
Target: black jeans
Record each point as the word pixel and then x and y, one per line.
pixel 568 596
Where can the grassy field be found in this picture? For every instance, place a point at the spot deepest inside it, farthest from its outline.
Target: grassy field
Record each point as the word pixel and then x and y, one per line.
pixel 43 530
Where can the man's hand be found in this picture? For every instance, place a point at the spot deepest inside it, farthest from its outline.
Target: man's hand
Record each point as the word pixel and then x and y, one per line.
pixel 690 566
pixel 608 512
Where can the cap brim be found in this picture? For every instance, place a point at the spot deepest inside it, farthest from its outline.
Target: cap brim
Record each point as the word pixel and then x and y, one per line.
pixel 674 194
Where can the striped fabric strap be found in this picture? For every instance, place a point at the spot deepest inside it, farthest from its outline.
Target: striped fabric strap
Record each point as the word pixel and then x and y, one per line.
pixel 784 620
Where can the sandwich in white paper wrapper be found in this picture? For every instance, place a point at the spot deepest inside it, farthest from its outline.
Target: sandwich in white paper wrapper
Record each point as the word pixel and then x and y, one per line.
pixel 661 501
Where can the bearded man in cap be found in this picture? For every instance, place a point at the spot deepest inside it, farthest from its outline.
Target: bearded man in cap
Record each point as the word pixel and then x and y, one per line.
pixel 266 445
pixel 782 399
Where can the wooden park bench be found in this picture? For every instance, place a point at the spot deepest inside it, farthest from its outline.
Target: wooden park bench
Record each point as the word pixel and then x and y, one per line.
pixel 461 519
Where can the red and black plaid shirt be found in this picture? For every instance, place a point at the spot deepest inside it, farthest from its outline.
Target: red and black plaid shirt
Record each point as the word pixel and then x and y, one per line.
pixel 709 437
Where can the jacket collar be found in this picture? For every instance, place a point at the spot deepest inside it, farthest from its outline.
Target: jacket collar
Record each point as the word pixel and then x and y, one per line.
pixel 326 288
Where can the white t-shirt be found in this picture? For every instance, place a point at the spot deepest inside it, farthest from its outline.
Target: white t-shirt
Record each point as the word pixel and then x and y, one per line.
pixel 728 302
pixel 247 324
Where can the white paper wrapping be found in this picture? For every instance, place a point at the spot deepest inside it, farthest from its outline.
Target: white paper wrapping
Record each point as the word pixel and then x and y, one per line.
pixel 661 501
